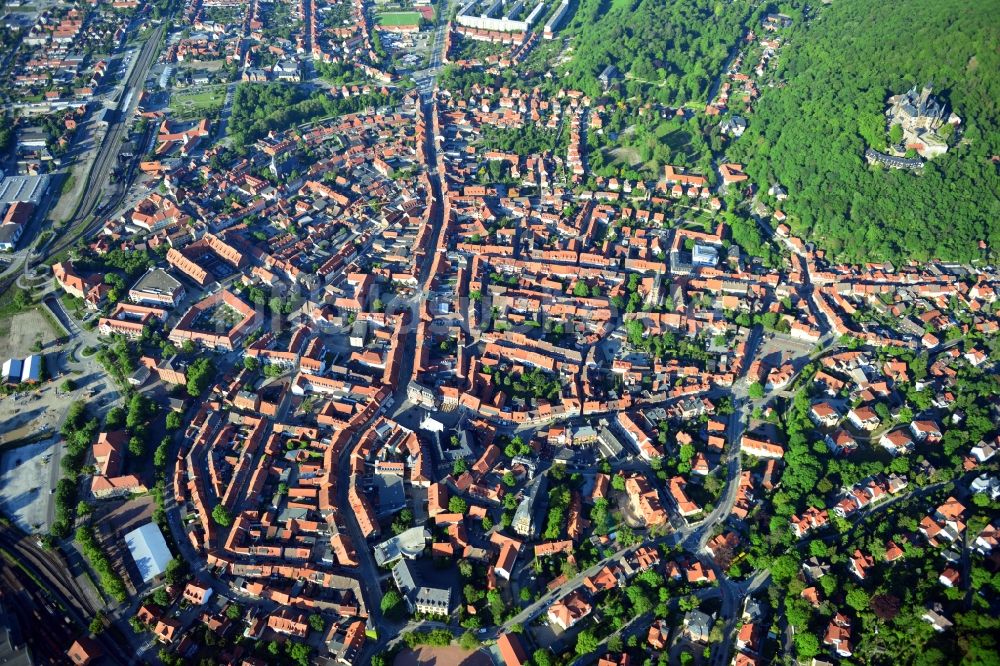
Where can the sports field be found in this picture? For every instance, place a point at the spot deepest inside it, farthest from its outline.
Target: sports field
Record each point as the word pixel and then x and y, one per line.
pixel 399 18
pixel 198 102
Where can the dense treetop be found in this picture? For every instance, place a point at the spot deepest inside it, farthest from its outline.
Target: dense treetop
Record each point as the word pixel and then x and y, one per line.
pixel 671 51
pixel 810 134
pixel 261 108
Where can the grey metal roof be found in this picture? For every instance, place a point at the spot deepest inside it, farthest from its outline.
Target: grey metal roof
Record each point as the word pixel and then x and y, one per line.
pixel 149 551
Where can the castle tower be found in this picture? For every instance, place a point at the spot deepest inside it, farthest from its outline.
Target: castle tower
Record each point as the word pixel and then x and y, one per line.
pixel 925 95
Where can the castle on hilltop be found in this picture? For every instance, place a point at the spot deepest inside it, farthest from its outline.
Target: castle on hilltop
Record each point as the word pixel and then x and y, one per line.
pixel 920 116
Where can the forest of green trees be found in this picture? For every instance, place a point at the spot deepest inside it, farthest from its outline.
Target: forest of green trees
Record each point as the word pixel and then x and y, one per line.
pixel 810 134
pixel 261 108
pixel 672 51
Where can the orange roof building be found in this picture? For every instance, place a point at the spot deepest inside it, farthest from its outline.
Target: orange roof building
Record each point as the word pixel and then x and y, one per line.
pixel 512 651
pixel 569 610
pixel 84 651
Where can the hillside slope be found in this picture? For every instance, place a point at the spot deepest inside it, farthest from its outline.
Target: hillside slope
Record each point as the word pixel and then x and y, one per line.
pixel 810 135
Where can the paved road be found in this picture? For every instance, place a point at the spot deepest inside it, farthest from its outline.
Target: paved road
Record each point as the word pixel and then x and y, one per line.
pixel 427 77
pixel 368 571
pixel 227 109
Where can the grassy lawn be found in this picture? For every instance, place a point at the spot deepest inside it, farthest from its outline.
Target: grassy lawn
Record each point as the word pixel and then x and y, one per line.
pixel 12 302
pixel 198 104
pixel 399 18
pixel 680 142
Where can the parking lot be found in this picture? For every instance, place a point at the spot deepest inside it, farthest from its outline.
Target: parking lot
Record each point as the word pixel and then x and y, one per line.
pixel 25 483
pixel 28 414
pixel 778 349
pixel 32 418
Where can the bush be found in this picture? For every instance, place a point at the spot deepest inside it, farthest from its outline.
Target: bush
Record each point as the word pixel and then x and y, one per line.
pixel 140 410
pixel 161 598
pixel 434 637
pixel 199 376
pixel 392 605
pixel 160 454
pixel 177 571
pixel 79 433
pixel 111 582
pixel 115 418
pixel 316 622
pixel 542 657
pixel 221 516
pixel 65 508
pixel 118 358
pixel 586 642
pixel 97 624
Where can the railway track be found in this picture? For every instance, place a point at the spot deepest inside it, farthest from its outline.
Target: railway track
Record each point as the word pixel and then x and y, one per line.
pixel 87 213
pixel 41 626
pixel 60 593
pixel 88 217
pixel 50 568
pixel 34 612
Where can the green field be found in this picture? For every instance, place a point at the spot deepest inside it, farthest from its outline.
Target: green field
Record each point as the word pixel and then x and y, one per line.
pixel 198 104
pixel 399 18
